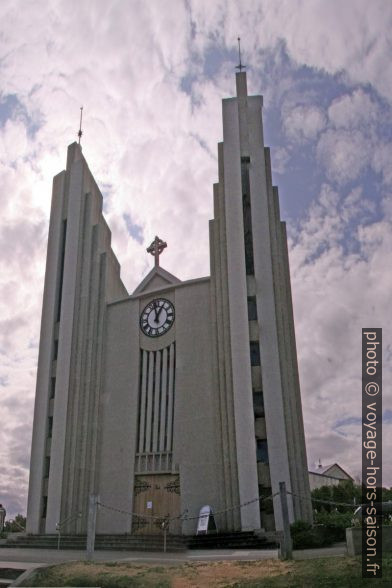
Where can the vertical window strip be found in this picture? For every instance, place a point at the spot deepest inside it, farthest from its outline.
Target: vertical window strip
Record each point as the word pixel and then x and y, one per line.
pixel 156 412
pixel 247 215
pixel 170 403
pixel 160 401
pixel 150 392
pixel 162 420
pixel 62 258
pixel 146 400
pixel 167 399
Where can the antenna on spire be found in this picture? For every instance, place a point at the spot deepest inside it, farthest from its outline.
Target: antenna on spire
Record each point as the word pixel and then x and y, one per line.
pixel 239 66
pixel 80 132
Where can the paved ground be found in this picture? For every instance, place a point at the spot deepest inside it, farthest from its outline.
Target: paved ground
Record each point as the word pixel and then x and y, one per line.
pixel 27 557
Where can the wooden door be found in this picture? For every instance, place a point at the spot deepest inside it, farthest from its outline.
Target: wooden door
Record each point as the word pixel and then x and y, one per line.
pixel 156 498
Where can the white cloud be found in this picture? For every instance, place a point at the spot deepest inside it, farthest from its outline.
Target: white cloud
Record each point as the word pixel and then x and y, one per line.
pixel 303 123
pixel 343 154
pixel 335 295
pixel 353 110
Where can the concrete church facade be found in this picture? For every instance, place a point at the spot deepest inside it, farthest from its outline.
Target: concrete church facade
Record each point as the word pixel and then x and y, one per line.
pixel 184 393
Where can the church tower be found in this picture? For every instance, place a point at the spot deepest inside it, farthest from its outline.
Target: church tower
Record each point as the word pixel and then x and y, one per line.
pixel 182 394
pixel 255 339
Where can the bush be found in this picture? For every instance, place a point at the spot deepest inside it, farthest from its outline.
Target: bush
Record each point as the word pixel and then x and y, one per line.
pixel 305 536
pixel 335 523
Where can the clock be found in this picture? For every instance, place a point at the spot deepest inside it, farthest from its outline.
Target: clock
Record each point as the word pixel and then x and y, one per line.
pixel 157 317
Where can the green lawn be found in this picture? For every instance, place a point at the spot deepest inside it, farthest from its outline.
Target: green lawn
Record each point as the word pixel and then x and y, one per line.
pixel 331 572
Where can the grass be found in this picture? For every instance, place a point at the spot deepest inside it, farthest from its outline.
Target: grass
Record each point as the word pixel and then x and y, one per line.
pixel 331 572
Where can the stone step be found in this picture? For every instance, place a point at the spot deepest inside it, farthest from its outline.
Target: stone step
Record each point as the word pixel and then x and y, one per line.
pixel 247 540
pixel 102 542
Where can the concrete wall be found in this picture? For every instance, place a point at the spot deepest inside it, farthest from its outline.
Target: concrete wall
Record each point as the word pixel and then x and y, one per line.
pixel 195 445
pixel 118 415
pixel 354 540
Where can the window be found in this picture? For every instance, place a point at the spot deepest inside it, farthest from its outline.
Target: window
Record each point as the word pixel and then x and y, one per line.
pixel 55 349
pixel 252 308
pixel 62 257
pixel 46 467
pixel 258 403
pixel 247 216
pixel 44 506
pixel 52 387
pixel 50 426
pixel 254 353
pixel 262 451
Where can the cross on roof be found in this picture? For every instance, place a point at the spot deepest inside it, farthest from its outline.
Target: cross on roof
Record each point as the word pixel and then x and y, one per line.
pixel 239 66
pixel 156 248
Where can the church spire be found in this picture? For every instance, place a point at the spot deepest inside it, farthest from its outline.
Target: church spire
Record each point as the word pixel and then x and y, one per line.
pixel 240 66
pixel 240 76
pixel 80 132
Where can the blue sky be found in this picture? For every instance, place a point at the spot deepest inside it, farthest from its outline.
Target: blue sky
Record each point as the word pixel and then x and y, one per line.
pixel 151 80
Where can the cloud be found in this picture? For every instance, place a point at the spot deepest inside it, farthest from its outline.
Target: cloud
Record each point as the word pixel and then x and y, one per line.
pixel 343 154
pixel 329 317
pixel 353 110
pixel 304 123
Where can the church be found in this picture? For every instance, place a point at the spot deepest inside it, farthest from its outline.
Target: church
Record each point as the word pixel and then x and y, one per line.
pixel 181 394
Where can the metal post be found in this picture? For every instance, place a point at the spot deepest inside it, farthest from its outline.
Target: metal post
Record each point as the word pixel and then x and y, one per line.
pixel 91 523
pixel 58 536
pixel 165 525
pixel 286 546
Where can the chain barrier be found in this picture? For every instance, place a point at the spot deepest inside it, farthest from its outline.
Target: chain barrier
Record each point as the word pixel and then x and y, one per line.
pixel 333 502
pixel 184 516
pixel 223 511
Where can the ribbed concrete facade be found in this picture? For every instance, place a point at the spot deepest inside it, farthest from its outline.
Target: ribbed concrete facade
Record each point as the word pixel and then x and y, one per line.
pixel 203 410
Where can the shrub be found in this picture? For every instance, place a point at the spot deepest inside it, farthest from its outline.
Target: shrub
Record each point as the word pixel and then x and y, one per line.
pixel 305 536
pixel 335 523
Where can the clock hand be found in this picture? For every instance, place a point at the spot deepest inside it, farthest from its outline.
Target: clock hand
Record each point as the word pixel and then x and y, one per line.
pixel 155 307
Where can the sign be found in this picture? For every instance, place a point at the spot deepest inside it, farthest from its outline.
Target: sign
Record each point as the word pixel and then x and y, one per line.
pixel 206 521
pixel 149 504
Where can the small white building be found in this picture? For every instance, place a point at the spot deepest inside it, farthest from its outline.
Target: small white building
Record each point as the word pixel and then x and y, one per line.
pixel 330 475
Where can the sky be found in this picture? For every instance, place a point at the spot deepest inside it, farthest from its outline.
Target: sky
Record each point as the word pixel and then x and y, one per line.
pixel 151 77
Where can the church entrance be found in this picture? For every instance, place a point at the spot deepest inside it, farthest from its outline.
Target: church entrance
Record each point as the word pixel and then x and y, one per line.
pixel 156 496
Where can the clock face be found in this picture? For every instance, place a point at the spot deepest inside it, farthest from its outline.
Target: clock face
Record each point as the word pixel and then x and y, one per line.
pixel 157 317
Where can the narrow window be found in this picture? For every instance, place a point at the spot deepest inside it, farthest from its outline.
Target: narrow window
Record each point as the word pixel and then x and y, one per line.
pixel 254 353
pixel 247 216
pixel 46 467
pixel 262 451
pixel 44 506
pixel 52 387
pixel 55 349
pixel 62 253
pixel 50 426
pixel 252 308
pixel 258 403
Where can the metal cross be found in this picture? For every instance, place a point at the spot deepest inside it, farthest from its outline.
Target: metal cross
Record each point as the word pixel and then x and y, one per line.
pixel 239 66
pixel 156 248
pixel 80 132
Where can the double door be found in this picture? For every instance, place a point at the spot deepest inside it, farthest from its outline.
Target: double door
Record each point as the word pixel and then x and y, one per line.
pixel 156 500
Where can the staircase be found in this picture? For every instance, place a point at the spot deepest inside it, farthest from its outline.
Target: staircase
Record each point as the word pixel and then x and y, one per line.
pixel 239 540
pixel 174 543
